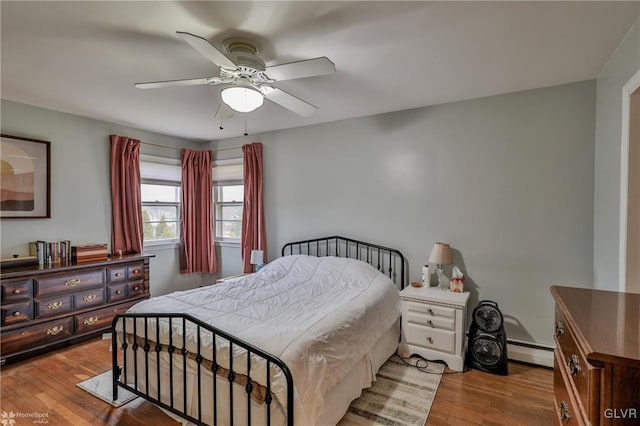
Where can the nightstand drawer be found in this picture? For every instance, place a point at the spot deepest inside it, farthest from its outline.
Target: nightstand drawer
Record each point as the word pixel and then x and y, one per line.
pixel 431 310
pixel 427 320
pixel 430 338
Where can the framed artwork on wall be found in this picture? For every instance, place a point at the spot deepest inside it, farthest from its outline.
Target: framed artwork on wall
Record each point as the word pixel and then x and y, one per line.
pixel 24 178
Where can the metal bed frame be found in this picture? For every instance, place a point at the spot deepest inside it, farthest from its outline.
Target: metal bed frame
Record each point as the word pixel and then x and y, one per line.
pixel 386 260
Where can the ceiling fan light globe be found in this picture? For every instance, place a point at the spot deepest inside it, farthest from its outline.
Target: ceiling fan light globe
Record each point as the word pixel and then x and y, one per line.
pixel 242 99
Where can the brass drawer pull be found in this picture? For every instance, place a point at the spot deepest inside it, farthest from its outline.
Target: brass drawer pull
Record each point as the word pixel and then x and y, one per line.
pixel 55 330
pixel 118 274
pixel 72 283
pixel 118 291
pixel 136 288
pixel 16 314
pixel 56 305
pixel 574 365
pixel 559 328
pixel 90 321
pixel 136 271
pixel 16 291
pixel 89 298
pixel 563 409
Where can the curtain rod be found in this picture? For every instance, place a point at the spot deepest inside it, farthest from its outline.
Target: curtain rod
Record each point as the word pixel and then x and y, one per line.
pixel 178 149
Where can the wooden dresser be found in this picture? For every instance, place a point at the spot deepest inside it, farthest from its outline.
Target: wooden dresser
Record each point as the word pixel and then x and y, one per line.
pixel 43 306
pixel 597 357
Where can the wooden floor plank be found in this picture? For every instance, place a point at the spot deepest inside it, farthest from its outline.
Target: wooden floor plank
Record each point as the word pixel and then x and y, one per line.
pixel 47 384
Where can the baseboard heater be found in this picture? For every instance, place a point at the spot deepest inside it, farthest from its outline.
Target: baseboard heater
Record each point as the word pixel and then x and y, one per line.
pixel 531 353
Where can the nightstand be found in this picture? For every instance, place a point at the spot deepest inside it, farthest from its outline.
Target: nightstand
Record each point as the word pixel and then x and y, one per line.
pixel 231 278
pixel 434 323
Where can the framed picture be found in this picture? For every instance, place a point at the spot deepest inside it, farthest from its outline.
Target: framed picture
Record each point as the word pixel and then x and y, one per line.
pixel 24 178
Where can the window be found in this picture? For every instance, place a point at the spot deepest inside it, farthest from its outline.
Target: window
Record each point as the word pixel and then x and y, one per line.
pixel 161 212
pixel 160 191
pixel 228 200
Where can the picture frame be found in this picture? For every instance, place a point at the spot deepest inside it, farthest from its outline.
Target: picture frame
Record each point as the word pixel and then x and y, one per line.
pixel 25 181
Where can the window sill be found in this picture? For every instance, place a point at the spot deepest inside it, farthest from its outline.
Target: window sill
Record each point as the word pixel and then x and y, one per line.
pixel 168 245
pixel 231 244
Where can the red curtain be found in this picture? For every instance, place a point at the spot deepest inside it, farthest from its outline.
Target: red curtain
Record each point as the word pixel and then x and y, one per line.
pixel 197 252
pixel 126 201
pixel 254 236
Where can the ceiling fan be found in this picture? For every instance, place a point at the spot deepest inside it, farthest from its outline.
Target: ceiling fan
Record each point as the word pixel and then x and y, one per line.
pixel 247 78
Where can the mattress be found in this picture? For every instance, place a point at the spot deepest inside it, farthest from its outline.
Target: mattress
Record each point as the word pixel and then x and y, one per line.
pixel 321 316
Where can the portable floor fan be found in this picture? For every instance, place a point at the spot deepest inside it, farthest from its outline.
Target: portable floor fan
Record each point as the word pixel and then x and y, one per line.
pixel 248 81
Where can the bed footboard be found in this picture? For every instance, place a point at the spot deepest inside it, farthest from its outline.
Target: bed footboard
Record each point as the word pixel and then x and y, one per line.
pixel 200 373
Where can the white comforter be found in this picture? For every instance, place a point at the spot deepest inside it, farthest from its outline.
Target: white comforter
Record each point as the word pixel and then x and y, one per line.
pixel 319 315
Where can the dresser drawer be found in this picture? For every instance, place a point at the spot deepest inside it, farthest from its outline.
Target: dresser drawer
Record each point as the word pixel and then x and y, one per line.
pixel 32 337
pixel 427 337
pixel 100 318
pixel 136 289
pixel 88 298
pixel 117 274
pixel 584 376
pixel 432 310
pixel 16 291
pixel 427 320
pixel 69 282
pixel 54 305
pixel 135 271
pixel 18 312
pixel 117 292
pixel 566 410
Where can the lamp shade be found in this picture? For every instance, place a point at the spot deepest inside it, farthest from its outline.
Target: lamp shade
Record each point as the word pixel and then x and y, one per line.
pixel 440 254
pixel 257 257
pixel 242 99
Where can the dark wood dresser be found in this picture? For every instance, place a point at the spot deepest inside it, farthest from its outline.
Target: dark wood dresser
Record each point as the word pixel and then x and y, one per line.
pixel 47 306
pixel 597 357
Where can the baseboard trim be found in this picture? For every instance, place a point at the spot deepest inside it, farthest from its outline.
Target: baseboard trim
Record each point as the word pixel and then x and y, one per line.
pixel 530 353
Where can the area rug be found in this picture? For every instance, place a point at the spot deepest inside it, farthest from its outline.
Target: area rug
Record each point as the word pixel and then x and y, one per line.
pixel 101 386
pixel 401 395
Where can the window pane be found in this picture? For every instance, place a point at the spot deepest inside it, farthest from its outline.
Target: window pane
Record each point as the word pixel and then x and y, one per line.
pixel 230 229
pixel 231 213
pixel 231 193
pixel 159 213
pixel 160 231
pixel 160 193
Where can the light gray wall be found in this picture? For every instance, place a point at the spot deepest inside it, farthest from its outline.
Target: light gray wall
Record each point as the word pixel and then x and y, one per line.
pixel 80 186
pixel 506 180
pixel 624 63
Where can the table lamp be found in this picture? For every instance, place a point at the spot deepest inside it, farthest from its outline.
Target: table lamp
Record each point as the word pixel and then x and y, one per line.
pixel 441 255
pixel 257 259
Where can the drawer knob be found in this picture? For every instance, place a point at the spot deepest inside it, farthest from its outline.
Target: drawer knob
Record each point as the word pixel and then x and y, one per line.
pixel 90 321
pixel 16 291
pixel 89 298
pixel 16 314
pixel 56 305
pixel 563 409
pixel 429 339
pixel 136 288
pixel 559 328
pixel 430 323
pixel 55 330
pixel 118 274
pixel 72 283
pixel 430 311
pixel 574 365
pixel 136 271
pixel 118 291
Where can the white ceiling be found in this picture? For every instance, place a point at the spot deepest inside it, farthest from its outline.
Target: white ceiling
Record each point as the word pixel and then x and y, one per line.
pixel 83 57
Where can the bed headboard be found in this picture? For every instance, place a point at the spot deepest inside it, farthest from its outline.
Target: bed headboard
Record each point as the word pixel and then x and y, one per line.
pixel 387 260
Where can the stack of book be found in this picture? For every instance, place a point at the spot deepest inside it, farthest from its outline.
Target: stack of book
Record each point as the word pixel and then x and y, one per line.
pixel 89 253
pixel 48 252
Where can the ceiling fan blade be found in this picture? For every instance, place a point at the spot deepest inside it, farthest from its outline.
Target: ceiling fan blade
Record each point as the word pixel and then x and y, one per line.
pixel 207 49
pixel 224 112
pixel 173 83
pixel 301 69
pixel 288 101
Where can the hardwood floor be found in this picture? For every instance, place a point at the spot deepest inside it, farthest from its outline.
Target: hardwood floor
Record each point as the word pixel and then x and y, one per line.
pixel 46 386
